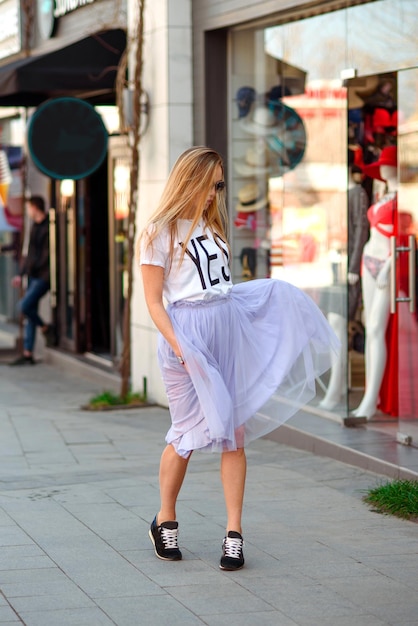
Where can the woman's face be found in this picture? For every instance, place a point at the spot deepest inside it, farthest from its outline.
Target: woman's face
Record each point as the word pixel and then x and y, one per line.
pixel 217 177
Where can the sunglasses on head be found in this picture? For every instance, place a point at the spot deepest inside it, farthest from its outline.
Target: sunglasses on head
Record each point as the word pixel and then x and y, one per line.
pixel 220 185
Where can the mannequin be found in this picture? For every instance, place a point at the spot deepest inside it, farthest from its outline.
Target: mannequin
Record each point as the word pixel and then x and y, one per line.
pixel 358 232
pixel 375 287
pixel 333 394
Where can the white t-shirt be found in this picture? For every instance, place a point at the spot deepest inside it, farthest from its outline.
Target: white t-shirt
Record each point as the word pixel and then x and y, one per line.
pixel 204 272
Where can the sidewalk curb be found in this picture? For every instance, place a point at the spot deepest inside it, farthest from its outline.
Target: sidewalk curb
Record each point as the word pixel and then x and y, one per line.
pixel 296 438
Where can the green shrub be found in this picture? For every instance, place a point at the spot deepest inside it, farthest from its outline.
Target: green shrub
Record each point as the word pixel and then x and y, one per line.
pixel 399 498
pixel 109 399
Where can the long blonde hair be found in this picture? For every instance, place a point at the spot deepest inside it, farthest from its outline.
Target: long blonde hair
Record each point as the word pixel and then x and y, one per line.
pixel 187 189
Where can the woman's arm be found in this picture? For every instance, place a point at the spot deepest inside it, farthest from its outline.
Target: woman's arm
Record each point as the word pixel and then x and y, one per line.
pixel 153 278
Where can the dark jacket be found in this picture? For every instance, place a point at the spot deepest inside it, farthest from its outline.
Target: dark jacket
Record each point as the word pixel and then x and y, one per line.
pixel 36 264
pixel 358 226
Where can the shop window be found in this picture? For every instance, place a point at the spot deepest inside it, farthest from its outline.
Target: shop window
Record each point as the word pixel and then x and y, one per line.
pixel 311 101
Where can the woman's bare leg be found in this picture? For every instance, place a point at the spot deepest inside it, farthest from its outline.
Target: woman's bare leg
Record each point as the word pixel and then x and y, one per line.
pixel 172 472
pixel 233 474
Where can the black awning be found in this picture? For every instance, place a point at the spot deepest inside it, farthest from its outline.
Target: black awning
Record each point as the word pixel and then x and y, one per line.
pixel 85 69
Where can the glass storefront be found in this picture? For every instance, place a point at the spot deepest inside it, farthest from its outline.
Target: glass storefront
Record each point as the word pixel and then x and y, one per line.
pixel 318 108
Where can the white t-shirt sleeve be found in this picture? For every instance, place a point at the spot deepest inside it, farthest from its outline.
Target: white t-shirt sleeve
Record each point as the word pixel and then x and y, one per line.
pixel 155 253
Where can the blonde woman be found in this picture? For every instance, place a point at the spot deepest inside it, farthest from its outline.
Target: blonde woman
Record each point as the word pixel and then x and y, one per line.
pixel 224 349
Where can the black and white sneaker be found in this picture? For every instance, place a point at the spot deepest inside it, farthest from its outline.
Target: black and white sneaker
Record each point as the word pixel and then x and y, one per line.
pixel 164 538
pixel 232 557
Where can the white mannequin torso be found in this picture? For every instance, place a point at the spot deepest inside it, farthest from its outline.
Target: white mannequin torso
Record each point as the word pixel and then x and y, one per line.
pixel 378 244
pixel 376 298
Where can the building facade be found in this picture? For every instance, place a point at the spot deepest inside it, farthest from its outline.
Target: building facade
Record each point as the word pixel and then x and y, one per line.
pixel 301 99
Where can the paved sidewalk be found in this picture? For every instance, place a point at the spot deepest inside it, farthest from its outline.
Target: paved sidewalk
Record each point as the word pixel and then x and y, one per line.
pixel 79 489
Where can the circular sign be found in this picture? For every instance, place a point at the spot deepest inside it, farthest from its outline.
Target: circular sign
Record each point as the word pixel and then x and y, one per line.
pixel 289 142
pixel 67 138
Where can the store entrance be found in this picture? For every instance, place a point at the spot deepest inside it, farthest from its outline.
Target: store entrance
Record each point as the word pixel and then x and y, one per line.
pixel 80 265
pixel 97 279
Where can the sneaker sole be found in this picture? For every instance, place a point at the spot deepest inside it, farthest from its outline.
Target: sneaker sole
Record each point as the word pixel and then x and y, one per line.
pixel 22 364
pixel 163 558
pixel 231 569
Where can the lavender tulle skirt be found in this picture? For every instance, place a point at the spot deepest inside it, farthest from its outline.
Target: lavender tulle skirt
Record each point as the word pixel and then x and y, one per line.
pixel 265 337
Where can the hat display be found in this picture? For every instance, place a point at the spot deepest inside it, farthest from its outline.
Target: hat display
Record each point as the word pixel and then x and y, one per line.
pixel 355 157
pixel 283 130
pixel 245 97
pixel 388 156
pixel 278 92
pixel 251 198
pixel 274 99
pixel 289 143
pixel 257 161
pixel 263 122
pixel 384 120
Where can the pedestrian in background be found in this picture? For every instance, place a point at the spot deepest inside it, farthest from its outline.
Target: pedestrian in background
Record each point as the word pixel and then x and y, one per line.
pixel 35 267
pixel 224 349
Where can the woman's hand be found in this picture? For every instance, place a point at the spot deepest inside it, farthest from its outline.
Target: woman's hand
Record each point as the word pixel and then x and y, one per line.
pixel 352 278
pixel 16 281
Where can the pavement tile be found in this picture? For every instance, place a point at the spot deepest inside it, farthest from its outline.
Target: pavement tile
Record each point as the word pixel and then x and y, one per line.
pixel 149 610
pixel 402 568
pixel 79 494
pixel 23 576
pixel 250 618
pixel 107 519
pixel 45 602
pixel 126 496
pixel 365 619
pixel 18 563
pixel 36 588
pixel 5 519
pixel 397 613
pixel 188 572
pixel 26 550
pixel 374 590
pixel 13 536
pixel 82 436
pixel 12 465
pixel 8 616
pixel 220 598
pixel 9 444
pixel 67 617
pixel 44 459
pixel 334 569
